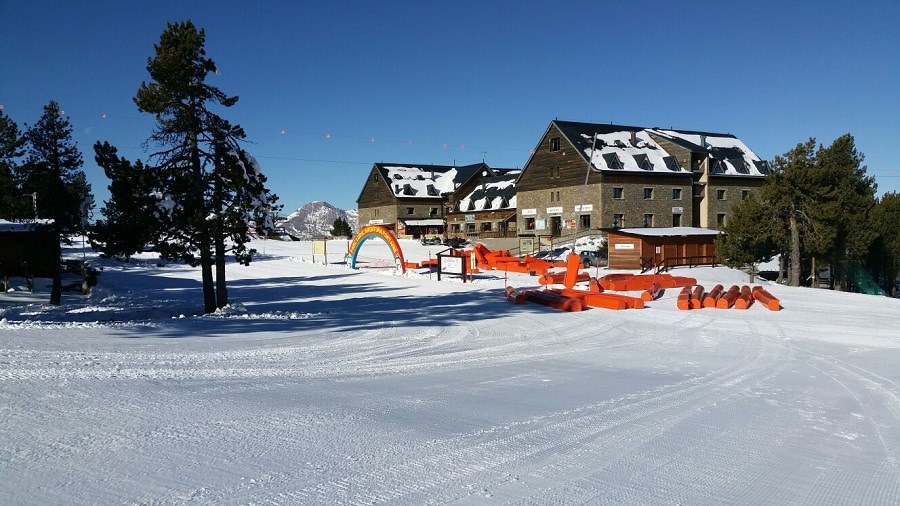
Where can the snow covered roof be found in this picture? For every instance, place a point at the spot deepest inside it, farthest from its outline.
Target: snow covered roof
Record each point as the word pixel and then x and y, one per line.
pixel 429 181
pixel 728 155
pixel 26 226
pixel 498 192
pixel 667 231
pixel 622 148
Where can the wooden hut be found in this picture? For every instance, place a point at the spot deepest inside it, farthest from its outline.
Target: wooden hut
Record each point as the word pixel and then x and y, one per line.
pixel 647 248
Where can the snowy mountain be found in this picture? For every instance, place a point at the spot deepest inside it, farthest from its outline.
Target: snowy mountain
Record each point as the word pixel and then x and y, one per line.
pixel 315 219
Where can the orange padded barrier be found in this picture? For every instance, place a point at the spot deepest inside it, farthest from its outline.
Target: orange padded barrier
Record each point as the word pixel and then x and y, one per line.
pixel 765 298
pixel 713 296
pixel 727 299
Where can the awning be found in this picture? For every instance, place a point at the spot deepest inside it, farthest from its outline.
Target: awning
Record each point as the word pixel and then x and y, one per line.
pixel 436 222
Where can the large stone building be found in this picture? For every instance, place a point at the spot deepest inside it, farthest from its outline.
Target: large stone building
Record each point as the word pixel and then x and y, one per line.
pixel 414 200
pixel 585 176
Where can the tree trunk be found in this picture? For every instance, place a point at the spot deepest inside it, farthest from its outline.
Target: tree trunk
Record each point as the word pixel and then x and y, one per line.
pixel 781 268
pixel 221 287
pixel 794 273
pixel 206 261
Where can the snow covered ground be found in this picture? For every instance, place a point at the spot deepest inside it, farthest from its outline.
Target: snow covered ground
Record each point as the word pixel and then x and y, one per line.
pixel 325 385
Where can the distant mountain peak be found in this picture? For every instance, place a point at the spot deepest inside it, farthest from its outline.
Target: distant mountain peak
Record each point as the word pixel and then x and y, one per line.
pixel 315 219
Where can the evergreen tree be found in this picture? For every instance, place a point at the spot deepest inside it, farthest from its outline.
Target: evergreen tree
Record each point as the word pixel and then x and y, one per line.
pixel 52 165
pixel 749 236
pixel 843 197
pixel 786 193
pixel 13 203
pixel 200 168
pixel 884 257
pixel 340 228
pixel 130 219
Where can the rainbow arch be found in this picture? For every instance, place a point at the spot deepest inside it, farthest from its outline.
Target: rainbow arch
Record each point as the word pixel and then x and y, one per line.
pixel 379 231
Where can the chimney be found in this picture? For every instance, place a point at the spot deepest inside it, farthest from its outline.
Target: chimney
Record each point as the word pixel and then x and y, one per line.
pixel 634 138
pixel 702 140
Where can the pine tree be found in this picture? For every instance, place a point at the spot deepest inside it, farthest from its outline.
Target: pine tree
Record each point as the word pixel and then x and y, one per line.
pixel 12 199
pixel 130 219
pixel 884 256
pixel 749 236
pixel 52 165
pixel 200 168
pixel 340 228
pixel 843 197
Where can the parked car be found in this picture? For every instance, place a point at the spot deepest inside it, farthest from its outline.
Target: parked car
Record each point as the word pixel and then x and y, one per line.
pixel 554 255
pixel 592 258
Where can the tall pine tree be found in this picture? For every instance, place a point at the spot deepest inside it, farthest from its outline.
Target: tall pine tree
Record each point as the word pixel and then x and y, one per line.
pixel 12 199
pixel 51 169
pixel 200 167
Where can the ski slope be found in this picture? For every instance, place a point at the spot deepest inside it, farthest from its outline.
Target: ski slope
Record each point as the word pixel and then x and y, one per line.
pixel 323 385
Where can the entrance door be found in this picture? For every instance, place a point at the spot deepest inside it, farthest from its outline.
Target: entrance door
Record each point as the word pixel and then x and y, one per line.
pixel 556 226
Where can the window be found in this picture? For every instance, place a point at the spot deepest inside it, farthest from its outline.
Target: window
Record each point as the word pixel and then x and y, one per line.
pixel 720 219
pixel 447 210
pixel 554 172
pixel 676 219
pixel 648 193
pixel 745 194
pixel 585 222
pixel 557 195
pixel 676 193
pixel 376 212
pixel 618 193
pixel 554 196
pixel 618 220
pixel 720 194
pixel 529 223
pixel 433 211
pixel 554 144
pixel 648 220
pixel 455 228
pixel 410 211
pixel 486 226
pixel 470 228
pixel 374 177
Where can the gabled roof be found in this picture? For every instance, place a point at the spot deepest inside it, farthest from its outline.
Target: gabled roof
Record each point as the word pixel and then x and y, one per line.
pixel 632 148
pixel 497 192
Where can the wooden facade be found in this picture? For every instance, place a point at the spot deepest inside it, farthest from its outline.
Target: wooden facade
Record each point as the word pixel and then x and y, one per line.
pixel 637 248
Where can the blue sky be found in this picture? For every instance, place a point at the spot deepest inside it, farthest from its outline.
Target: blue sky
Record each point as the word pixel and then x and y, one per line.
pixel 328 88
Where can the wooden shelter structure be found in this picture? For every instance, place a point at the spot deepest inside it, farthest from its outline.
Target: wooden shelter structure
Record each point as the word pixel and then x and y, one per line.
pixel 661 248
pixel 30 250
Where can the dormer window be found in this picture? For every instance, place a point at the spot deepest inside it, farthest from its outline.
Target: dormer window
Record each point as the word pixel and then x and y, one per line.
pixel 718 167
pixel 762 167
pixel 740 165
pixel 612 161
pixel 643 162
pixel 432 191
pixel 408 190
pixel 672 163
pixel 398 177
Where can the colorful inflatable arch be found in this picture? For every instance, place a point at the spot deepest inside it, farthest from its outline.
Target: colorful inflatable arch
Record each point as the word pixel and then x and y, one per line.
pixel 370 231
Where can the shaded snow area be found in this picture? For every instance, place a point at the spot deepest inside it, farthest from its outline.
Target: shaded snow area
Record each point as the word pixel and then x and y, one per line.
pixel 324 385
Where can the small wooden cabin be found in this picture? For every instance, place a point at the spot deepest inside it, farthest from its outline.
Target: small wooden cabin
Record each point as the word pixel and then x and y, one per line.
pixel 642 248
pixel 30 250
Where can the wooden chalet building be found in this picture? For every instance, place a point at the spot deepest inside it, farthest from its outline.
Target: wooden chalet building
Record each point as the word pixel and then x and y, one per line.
pixel 590 176
pixel 488 211
pixel 414 200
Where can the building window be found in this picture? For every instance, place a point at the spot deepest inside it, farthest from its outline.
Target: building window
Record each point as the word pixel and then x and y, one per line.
pixel 486 226
pixel 455 228
pixel 720 194
pixel 618 220
pixel 552 196
pixel 676 193
pixel 745 194
pixel 618 193
pixel 676 219
pixel 648 193
pixel 470 228
pixel 585 222
pixel 375 177
pixel 529 223
pixel 554 144
pixel 376 212
pixel 433 211
pixel 720 219
pixel 410 211
pixel 554 172
pixel 447 210
pixel 648 220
